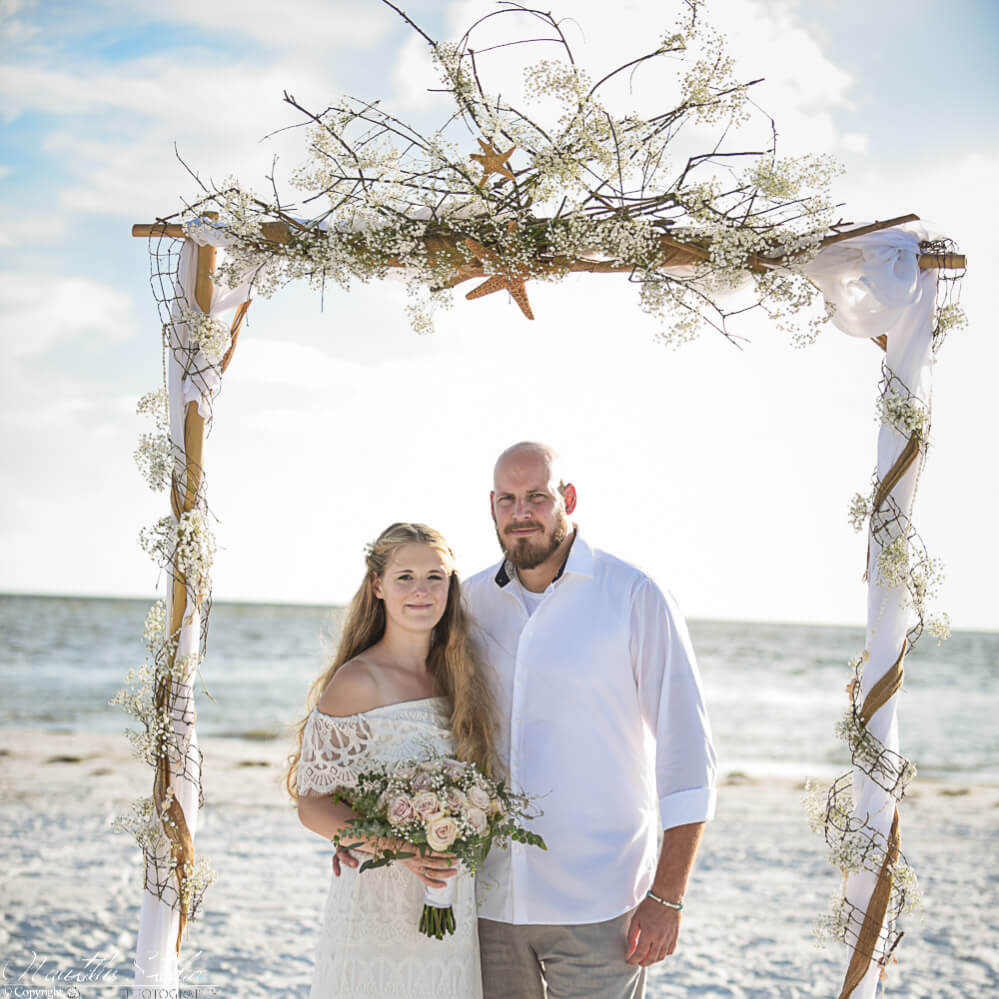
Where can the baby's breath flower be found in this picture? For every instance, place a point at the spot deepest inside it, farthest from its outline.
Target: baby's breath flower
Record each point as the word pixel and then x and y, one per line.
pixel 893 562
pixel 154 455
pixel 860 511
pixel 208 336
pixel 939 627
pixel 905 413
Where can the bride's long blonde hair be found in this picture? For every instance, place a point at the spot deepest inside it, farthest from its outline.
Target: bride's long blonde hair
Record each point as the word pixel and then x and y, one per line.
pixel 453 660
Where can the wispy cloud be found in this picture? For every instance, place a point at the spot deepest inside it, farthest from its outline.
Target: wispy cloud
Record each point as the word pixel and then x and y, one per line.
pixel 39 310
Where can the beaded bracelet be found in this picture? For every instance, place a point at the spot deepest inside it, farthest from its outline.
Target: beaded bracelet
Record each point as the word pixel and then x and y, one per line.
pixel 662 901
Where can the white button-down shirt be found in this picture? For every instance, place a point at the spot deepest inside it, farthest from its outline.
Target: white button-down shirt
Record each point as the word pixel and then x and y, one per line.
pixel 602 720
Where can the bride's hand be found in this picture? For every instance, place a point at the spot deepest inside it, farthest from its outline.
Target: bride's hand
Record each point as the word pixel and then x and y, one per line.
pixel 433 869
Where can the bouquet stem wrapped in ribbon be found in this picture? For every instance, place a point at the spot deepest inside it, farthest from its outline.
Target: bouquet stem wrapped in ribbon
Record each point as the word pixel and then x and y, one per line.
pixel 437 804
pixel 438 912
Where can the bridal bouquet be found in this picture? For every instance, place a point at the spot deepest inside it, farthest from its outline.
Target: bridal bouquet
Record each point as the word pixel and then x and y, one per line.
pixel 437 804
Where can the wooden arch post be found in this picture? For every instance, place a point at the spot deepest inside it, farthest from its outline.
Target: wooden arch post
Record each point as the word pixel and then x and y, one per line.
pixel 171 892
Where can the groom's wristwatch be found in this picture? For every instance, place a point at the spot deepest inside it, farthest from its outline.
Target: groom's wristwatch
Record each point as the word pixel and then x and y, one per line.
pixel 664 901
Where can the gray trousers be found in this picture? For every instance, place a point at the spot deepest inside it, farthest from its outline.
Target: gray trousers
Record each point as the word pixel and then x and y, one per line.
pixel 561 962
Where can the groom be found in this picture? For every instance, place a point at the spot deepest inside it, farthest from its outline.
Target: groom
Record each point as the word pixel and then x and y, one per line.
pixel 602 718
pixel 601 715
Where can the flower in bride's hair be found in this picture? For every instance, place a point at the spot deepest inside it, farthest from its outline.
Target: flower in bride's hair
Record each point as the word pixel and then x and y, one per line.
pixel 442 833
pixel 426 803
pixel 399 809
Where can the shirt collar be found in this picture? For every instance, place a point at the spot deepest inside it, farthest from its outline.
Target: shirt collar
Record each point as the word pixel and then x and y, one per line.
pixel 578 562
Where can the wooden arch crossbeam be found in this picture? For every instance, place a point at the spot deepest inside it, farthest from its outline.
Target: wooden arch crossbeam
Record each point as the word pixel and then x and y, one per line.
pixel 483 263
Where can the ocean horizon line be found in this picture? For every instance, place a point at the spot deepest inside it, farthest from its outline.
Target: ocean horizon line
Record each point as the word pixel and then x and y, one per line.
pixel 309 604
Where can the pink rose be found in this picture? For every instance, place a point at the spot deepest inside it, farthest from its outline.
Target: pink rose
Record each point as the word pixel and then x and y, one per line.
pixel 476 818
pixel 478 797
pixel 456 799
pixel 421 782
pixel 426 803
pixel 453 767
pixel 400 809
pixel 442 833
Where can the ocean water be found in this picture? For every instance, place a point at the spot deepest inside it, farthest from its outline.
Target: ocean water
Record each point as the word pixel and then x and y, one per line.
pixel 774 691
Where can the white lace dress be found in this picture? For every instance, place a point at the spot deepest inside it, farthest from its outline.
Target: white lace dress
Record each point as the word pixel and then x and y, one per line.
pixel 370 945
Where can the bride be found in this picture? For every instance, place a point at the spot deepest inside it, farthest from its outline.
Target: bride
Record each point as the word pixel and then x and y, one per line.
pixel 405 681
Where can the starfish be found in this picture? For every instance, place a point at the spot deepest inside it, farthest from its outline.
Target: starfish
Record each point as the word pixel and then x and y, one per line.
pixel 493 161
pixel 511 281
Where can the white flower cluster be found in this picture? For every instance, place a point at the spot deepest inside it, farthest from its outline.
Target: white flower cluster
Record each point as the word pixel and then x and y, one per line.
pixel 195 878
pixel 905 413
pixel 143 822
pixel 211 338
pixel 154 455
pixel 188 545
pixel 860 511
pixel 893 563
pixel 950 317
pixel 837 925
pixel 816 805
pixel 939 627
pixel 869 754
pixel 154 631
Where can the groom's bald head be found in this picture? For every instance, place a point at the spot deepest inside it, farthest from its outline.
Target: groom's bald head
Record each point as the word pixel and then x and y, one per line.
pixel 532 452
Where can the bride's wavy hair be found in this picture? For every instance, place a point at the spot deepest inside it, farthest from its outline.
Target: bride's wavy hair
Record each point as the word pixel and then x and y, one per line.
pixel 453 660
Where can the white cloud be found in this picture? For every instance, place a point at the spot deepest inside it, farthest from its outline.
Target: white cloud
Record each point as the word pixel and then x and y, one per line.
pixel 37 310
pixel 291 24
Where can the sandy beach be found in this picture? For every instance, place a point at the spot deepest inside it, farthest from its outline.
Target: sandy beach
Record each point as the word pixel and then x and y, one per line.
pixel 71 889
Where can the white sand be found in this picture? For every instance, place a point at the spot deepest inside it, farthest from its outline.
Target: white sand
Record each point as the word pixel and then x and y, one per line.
pixel 70 889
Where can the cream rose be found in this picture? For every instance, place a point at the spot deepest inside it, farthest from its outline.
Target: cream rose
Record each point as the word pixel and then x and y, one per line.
pixel 400 809
pixel 426 803
pixel 442 833
pixel 478 797
pixel 476 818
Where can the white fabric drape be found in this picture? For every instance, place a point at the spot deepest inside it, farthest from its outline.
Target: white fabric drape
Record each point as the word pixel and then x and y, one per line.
pixel 876 286
pixel 155 949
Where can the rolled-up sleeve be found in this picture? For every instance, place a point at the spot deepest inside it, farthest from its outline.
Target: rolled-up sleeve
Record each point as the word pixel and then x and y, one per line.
pixel 672 704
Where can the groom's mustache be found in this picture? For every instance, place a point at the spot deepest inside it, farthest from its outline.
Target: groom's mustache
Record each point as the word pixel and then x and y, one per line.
pixel 522 527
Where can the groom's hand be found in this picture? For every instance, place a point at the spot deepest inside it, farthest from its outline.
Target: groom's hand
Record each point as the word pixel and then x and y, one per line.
pixel 653 933
pixel 343 856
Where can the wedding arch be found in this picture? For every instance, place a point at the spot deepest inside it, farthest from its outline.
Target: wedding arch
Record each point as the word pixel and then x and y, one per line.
pixel 594 193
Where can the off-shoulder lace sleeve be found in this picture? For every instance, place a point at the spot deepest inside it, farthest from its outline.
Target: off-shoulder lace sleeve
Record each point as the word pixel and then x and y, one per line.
pixel 334 752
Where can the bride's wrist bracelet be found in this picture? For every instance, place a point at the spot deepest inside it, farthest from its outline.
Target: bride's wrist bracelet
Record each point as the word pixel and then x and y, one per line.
pixel 663 901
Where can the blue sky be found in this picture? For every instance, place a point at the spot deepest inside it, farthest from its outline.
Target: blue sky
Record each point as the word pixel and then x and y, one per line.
pixel 726 474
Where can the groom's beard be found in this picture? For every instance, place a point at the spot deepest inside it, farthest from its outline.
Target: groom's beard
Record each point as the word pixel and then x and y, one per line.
pixel 529 552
